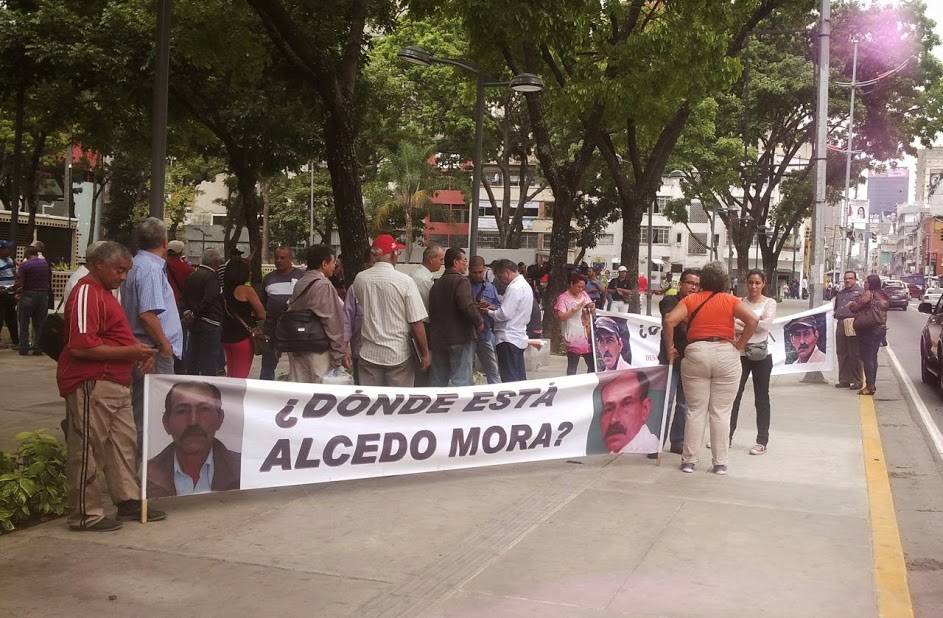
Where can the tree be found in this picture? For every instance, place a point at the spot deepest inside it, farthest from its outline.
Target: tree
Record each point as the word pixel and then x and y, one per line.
pixel 327 47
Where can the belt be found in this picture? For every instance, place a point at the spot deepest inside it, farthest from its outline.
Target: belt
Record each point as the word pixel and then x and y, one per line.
pixel 708 339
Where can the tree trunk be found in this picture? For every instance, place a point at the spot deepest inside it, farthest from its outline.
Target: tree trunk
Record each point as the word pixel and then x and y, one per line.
pixel 246 180
pixel 632 210
pixel 342 164
pixel 266 190
pixel 563 207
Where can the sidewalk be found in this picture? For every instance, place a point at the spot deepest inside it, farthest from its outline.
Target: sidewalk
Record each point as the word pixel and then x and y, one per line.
pixel 785 534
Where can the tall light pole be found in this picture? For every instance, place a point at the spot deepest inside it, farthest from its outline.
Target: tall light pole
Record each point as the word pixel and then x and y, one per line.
pixel 159 122
pixel 817 274
pixel 648 287
pixel 311 206
pixel 524 82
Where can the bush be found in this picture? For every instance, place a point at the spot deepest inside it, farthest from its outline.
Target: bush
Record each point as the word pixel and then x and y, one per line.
pixel 32 480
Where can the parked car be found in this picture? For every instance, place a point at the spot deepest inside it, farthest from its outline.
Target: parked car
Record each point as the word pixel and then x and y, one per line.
pixel 931 351
pixel 897 294
pixel 932 296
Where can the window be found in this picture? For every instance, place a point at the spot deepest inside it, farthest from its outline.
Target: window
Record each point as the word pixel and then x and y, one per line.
pixel 678 238
pixel 697 244
pixel 218 219
pixel 605 239
pixel 531 209
pixel 697 214
pixel 660 235
pixel 487 239
pixel 661 202
pixel 457 213
pixel 528 240
pixel 496 179
pixel 438 239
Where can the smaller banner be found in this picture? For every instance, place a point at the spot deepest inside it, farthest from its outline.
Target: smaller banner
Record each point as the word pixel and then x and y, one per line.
pixel 799 342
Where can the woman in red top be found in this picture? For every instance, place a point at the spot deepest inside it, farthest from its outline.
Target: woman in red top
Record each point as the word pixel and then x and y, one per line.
pixel 710 370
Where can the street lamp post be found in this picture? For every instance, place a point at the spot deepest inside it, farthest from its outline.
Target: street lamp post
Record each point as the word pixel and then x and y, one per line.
pixel 648 287
pixel 524 82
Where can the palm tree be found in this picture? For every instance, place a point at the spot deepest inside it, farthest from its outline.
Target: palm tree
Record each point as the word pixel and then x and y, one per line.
pixel 412 179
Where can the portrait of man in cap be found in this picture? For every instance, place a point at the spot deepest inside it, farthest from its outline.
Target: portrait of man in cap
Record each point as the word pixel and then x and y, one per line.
pixel 803 344
pixel 612 344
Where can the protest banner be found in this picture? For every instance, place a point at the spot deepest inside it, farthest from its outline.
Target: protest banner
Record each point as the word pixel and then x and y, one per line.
pixel 799 343
pixel 215 434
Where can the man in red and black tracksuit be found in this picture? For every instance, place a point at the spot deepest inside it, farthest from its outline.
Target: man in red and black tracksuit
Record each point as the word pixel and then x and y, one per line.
pixel 94 377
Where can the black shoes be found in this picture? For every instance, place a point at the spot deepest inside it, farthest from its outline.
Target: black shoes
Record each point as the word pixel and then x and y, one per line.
pixel 130 510
pixel 842 384
pixel 102 525
pixel 855 386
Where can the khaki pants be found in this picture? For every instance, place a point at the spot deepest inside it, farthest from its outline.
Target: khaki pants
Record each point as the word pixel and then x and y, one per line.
pixel 850 369
pixel 102 438
pixel 710 373
pixel 308 367
pixel 402 375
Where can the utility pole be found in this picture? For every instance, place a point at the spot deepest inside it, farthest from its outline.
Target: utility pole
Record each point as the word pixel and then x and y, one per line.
pixel 851 138
pixel 159 126
pixel 817 275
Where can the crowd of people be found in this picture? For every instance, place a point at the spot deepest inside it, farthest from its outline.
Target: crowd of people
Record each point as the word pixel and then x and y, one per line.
pixel 156 313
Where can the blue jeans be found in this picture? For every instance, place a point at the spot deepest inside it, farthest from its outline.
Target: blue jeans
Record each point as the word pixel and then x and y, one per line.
pixel 33 307
pixel 269 364
pixel 203 348
pixel 868 344
pixel 453 363
pixel 487 358
pixel 676 431
pixel 510 362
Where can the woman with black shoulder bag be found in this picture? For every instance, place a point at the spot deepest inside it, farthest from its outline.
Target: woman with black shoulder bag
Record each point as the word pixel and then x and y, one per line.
pixel 755 358
pixel 870 327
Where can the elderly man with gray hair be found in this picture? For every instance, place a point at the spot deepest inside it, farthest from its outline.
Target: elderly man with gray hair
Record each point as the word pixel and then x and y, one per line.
pixel 149 303
pixel 203 314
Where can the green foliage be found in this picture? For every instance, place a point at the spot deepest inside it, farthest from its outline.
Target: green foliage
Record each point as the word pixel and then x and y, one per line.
pixel 290 208
pixel 32 479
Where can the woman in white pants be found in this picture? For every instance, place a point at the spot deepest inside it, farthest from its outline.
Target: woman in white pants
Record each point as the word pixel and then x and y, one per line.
pixel 710 369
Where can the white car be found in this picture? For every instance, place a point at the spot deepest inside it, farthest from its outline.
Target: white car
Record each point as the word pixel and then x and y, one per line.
pixel 932 296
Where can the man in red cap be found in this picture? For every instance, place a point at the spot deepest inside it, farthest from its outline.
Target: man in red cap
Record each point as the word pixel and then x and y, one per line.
pixel 393 312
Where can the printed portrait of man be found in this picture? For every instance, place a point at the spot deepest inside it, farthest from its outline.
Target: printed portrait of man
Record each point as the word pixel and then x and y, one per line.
pixel 195 461
pixel 626 406
pixel 803 335
pixel 612 345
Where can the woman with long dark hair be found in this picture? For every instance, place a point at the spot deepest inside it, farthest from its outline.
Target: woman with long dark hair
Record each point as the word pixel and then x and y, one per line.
pixel 870 329
pixel 241 308
pixel 755 359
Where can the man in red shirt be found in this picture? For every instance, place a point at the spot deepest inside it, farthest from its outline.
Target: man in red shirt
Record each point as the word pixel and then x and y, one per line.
pixel 94 377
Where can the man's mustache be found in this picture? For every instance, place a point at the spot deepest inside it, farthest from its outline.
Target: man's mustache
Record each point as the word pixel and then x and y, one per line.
pixel 615 429
pixel 194 431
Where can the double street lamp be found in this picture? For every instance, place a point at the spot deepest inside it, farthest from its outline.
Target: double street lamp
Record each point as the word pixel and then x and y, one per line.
pixel 525 82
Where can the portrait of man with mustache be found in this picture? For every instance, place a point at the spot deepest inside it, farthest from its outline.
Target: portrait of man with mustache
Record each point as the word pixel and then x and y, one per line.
pixel 803 335
pixel 626 406
pixel 195 462
pixel 612 346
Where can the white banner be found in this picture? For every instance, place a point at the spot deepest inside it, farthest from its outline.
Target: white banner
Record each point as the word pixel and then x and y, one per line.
pixel 218 434
pixel 799 343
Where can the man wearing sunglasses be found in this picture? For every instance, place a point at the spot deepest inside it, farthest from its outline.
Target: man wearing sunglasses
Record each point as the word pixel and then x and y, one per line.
pixel 688 283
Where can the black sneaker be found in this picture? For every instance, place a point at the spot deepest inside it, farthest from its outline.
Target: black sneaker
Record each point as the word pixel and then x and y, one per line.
pixel 130 510
pixel 855 386
pixel 102 525
pixel 652 455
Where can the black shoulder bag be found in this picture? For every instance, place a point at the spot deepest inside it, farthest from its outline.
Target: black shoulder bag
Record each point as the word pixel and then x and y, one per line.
pixel 300 331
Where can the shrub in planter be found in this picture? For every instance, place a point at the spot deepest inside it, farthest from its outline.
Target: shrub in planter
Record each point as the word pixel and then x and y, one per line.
pixel 32 480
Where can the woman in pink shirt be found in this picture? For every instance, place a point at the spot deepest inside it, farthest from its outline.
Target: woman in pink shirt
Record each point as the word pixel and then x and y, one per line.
pixel 574 308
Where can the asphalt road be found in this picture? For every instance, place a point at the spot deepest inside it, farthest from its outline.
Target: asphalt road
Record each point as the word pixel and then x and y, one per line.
pixel 903 337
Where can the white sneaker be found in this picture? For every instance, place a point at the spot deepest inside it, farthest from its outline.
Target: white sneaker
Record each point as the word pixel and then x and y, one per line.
pixel 758 449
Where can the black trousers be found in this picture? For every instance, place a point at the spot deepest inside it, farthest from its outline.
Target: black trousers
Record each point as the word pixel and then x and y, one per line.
pixel 761 370
pixel 573 362
pixel 510 362
pixel 8 316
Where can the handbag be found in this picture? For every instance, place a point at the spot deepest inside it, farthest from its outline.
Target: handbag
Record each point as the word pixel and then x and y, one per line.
pixel 870 317
pixel 52 336
pixel 260 341
pixel 849 325
pixel 300 331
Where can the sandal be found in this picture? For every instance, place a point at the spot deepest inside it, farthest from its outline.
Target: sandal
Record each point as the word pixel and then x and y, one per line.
pixel 866 391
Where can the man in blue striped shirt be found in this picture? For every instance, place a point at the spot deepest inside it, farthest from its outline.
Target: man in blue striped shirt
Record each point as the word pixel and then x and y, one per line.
pixel 149 303
pixel 7 299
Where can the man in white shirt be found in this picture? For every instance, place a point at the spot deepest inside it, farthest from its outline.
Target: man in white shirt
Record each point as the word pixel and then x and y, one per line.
pixel 433 256
pixel 392 315
pixel 625 409
pixel 510 321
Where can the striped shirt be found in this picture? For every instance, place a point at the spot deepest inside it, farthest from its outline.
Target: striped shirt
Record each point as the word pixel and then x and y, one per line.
pixel 391 302
pixel 147 289
pixel 7 272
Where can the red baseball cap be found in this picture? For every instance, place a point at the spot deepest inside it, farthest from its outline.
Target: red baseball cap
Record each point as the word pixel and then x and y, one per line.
pixel 384 244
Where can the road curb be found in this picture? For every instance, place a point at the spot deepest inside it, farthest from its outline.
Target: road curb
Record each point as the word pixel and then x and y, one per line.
pixel 930 430
pixel 890 568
